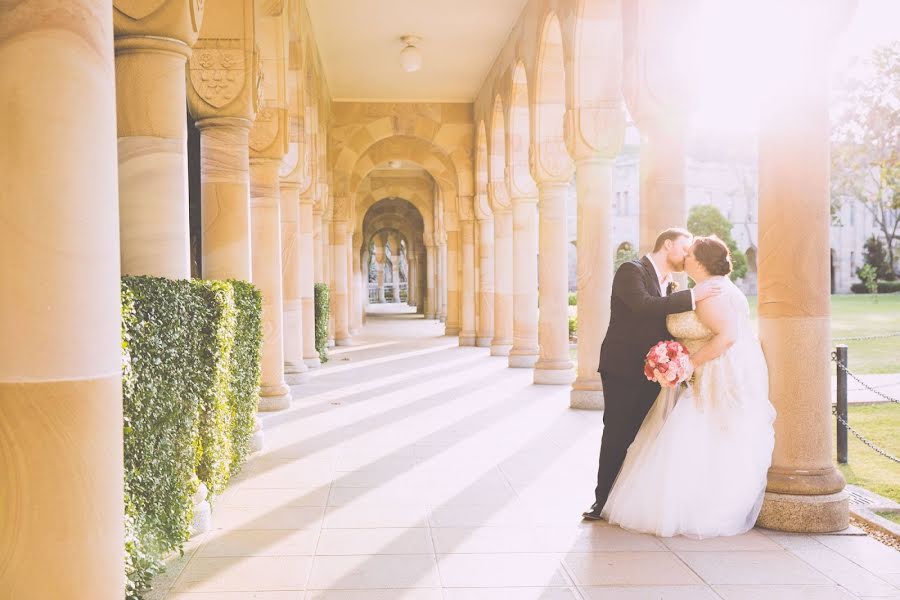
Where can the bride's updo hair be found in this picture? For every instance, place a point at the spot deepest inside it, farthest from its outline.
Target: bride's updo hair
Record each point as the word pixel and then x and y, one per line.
pixel 713 254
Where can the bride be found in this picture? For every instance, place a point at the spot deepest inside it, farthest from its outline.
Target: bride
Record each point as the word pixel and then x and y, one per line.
pixel 698 464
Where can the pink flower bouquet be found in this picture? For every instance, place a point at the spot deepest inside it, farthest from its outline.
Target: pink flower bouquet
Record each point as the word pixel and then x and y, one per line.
pixel 668 364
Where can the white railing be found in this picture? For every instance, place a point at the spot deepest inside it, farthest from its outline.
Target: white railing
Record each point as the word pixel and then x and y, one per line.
pixel 388 293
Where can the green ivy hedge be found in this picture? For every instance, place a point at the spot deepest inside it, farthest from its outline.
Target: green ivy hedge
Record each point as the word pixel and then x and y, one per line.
pixel 190 386
pixel 884 287
pixel 323 308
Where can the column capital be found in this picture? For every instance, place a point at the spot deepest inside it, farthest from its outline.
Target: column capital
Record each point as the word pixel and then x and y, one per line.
pixel 655 59
pixel 175 19
pixel 595 133
pixel 236 122
pixel 268 136
pixel 128 44
pixel 224 71
pixel 498 194
pixel 548 160
pixel 290 186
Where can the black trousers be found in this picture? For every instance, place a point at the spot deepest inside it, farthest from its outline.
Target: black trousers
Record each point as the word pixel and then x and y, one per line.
pixel 627 400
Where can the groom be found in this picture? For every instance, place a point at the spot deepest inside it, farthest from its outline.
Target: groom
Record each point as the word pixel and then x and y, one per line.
pixel 642 295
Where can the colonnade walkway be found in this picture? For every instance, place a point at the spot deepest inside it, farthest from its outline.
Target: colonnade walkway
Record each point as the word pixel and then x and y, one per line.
pixel 411 468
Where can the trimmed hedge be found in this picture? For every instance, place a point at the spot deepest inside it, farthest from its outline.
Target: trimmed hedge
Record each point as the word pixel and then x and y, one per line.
pixel 323 308
pixel 190 386
pixel 884 287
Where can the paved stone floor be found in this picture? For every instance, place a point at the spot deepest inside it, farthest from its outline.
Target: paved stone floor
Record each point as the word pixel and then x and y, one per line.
pixel 409 468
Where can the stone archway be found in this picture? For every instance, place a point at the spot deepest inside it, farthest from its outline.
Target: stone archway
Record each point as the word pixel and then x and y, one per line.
pixel 386 225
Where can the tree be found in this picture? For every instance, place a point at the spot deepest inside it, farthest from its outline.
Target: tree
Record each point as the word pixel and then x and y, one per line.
pixel 875 255
pixel 865 145
pixel 624 253
pixel 706 219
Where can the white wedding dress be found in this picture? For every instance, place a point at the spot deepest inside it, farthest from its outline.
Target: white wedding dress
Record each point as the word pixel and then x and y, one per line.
pixel 698 464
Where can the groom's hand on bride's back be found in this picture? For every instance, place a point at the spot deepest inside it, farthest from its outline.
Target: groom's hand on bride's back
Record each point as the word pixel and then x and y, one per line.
pixel 707 289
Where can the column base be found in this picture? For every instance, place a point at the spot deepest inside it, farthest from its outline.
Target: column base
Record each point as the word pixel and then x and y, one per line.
pixel 522 361
pixel 500 349
pixel 202 521
pixel 483 342
pixel 805 514
pixel 257 441
pixel 292 368
pixel 313 363
pixel 277 398
pixel 429 317
pixel 329 343
pixel 345 342
pixel 451 330
pixel 544 376
pixel 466 340
pixel 586 399
pixel 296 378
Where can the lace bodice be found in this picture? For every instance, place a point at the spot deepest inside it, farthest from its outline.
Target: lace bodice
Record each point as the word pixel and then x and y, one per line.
pixel 687 328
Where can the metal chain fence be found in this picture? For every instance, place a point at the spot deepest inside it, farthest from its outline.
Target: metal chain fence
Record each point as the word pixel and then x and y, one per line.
pixel 843 422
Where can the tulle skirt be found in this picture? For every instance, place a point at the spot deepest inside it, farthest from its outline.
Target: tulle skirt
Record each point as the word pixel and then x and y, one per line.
pixel 699 462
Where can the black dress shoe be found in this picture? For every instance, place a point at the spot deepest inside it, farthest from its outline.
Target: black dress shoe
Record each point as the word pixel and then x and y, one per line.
pixel 592 515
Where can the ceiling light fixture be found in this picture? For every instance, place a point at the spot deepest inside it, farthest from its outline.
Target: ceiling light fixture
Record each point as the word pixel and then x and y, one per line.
pixel 410 56
pixel 394 164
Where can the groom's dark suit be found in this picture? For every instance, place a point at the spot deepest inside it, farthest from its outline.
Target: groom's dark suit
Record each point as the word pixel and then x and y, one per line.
pixel 637 322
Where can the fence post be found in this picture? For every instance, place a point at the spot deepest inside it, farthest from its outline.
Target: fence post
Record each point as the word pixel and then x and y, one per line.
pixel 841 353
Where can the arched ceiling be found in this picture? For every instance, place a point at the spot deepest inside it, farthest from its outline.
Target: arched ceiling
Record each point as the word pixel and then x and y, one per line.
pixel 460 40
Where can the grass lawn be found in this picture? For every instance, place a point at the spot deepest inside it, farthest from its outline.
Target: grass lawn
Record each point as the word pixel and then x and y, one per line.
pixel 881 424
pixel 892 516
pixel 855 315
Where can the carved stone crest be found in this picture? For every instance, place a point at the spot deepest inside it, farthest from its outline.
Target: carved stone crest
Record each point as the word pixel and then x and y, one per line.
pixel 264 130
pixel 217 70
pixel 138 9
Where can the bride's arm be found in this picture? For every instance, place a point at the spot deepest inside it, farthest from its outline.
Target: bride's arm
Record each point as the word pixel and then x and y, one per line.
pixel 717 315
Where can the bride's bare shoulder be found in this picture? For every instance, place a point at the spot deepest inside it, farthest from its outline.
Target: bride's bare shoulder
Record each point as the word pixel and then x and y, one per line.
pixel 716 312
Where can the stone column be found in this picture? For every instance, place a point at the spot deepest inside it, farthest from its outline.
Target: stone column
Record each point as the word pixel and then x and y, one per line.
pixel 805 491
pixel 307 282
pixel 379 270
pixel 663 203
pixel 421 279
pixel 525 350
pixel 294 367
pixel 412 293
pixel 655 72
pixel 225 198
pixel 451 274
pixel 502 341
pixel 485 333
pixel 395 277
pixel 445 289
pixel 266 242
pixel 442 281
pixel 340 297
pixel 467 285
pixel 594 177
pixel 61 469
pixel 328 272
pixel 395 268
pixel 356 282
pixel 318 245
pixel 554 366
pixel 430 291
pixel 151 98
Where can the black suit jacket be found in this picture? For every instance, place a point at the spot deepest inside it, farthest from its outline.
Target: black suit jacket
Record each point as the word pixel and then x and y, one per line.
pixel 637 318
